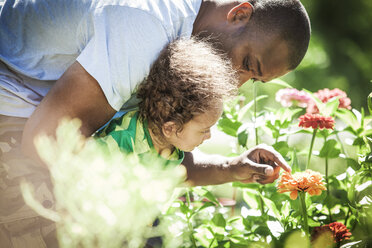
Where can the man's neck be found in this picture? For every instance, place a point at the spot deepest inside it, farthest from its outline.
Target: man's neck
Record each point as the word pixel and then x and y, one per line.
pixel 211 14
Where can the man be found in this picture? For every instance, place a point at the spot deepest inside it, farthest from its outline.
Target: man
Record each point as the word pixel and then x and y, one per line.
pixel 84 59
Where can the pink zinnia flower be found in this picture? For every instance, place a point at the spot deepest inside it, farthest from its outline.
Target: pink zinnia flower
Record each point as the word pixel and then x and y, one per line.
pixel 316 121
pixel 289 97
pixel 338 230
pixel 325 95
pixel 307 181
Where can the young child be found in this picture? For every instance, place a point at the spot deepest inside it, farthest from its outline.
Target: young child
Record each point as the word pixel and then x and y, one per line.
pixel 181 99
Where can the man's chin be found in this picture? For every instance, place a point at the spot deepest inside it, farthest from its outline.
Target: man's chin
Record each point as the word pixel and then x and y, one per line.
pixel 188 149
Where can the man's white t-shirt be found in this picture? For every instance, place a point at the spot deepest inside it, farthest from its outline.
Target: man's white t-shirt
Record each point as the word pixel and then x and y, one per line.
pixel 115 41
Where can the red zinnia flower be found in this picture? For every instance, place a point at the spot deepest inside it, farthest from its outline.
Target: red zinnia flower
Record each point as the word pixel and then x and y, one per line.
pixel 337 229
pixel 316 121
pixel 325 95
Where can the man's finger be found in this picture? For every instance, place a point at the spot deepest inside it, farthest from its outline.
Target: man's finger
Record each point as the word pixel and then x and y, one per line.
pixel 276 156
pixel 282 163
pixel 263 169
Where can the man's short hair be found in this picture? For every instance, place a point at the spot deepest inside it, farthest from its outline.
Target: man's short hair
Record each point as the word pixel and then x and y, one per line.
pixel 289 19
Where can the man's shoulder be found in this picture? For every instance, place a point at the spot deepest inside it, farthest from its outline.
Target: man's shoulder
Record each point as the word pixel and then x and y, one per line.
pixel 166 11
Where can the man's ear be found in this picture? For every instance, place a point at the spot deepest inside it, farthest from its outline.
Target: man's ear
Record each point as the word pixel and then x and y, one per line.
pixel 241 12
pixel 169 128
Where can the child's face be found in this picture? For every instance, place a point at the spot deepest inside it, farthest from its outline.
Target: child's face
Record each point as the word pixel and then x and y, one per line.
pixel 196 130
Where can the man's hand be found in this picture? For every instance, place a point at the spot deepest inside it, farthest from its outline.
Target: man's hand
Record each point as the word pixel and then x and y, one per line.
pixel 260 164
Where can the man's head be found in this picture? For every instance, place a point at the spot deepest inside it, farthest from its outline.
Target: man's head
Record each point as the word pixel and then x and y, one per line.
pixel 265 39
pixel 183 93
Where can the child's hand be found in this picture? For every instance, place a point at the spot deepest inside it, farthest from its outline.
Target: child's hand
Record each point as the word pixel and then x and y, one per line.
pixel 260 164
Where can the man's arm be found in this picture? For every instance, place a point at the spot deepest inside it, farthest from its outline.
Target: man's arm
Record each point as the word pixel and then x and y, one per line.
pixel 75 95
pixel 259 164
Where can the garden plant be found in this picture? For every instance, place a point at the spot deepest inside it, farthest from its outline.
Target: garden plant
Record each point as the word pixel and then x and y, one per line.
pixel 326 201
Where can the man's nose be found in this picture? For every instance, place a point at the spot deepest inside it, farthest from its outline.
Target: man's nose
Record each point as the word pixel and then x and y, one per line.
pixel 207 136
pixel 244 76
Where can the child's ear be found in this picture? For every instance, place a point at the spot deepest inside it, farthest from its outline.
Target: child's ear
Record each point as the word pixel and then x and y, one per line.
pixel 169 128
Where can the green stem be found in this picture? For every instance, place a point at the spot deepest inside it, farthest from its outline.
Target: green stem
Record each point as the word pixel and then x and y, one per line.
pixel 311 148
pixel 255 113
pixel 277 138
pixel 347 215
pixel 211 243
pixel 289 131
pixel 261 201
pixel 342 145
pixel 328 192
pixel 304 212
pixel 188 216
pixel 234 198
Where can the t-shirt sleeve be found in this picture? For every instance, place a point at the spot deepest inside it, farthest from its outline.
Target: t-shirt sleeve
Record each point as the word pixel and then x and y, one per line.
pixel 119 54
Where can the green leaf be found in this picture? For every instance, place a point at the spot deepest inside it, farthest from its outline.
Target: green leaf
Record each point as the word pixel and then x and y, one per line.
pixel 217 231
pixel 219 220
pixel 207 194
pixel 242 138
pixel 279 82
pixel 263 230
pixel 282 147
pixel 351 194
pixel 184 209
pixel 331 106
pixel 321 106
pixel 297 240
pixel 245 185
pixel 285 208
pixel 329 149
pixel 367 132
pixel 238 240
pixel 303 131
pixel 271 205
pixel 228 126
pixel 244 110
pixel 369 102
pixel 353 164
pixel 250 197
pixel 358 141
pixel 285 115
pixel 349 118
pixel 295 165
pixel 350 130
pixel 205 205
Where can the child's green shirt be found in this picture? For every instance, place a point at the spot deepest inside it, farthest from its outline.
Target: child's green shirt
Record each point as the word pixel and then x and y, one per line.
pixel 132 135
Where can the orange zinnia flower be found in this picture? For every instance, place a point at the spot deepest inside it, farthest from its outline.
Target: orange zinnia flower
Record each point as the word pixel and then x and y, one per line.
pixel 316 121
pixel 308 181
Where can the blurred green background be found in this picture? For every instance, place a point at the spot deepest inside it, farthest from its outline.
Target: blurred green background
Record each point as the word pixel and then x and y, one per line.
pixel 340 50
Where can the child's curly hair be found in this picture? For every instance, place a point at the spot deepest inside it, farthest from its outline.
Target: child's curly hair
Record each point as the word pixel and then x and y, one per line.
pixel 187 79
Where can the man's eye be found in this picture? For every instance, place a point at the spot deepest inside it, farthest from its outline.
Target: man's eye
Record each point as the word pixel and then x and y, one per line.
pixel 246 63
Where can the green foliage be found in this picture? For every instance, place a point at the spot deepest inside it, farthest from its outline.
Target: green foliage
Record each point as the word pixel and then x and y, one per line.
pixel 348 196
pixel 108 199
pixel 104 199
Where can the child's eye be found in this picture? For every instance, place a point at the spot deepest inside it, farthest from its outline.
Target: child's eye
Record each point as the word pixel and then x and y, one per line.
pixel 206 131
